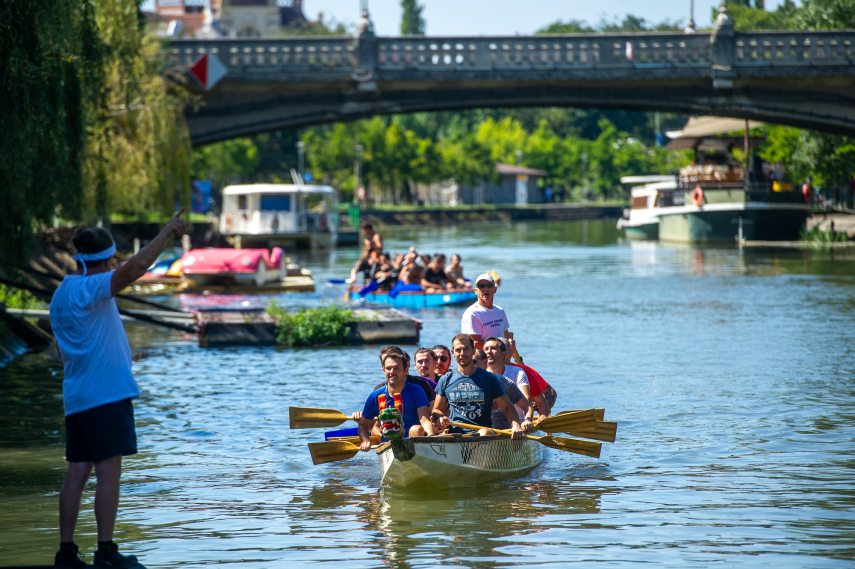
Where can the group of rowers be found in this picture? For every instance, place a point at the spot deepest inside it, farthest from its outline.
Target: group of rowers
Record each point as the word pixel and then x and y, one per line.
pixel 382 271
pixel 483 390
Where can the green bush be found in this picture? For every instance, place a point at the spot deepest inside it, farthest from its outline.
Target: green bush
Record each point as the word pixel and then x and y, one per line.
pixel 324 326
pixel 16 298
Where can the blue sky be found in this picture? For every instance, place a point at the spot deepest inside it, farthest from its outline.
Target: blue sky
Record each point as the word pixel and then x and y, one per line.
pixel 510 17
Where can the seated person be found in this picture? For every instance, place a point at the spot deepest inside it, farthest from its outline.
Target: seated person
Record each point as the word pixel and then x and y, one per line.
pixel 466 395
pixel 521 407
pixel 434 277
pixel 425 365
pixel 407 398
pixel 454 272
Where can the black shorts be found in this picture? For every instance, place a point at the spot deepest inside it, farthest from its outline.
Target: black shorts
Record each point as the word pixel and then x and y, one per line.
pixel 101 432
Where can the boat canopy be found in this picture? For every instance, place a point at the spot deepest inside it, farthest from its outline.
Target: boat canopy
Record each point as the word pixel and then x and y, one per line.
pixel 247 189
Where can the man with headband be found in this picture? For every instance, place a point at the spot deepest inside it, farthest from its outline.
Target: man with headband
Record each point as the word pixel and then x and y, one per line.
pixel 98 383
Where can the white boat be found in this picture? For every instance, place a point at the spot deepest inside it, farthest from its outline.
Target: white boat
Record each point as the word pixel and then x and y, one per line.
pixel 641 220
pixel 300 215
pixel 455 461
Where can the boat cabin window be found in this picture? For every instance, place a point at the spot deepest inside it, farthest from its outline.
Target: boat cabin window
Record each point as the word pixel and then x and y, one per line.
pixel 242 202
pixel 639 202
pixel 275 203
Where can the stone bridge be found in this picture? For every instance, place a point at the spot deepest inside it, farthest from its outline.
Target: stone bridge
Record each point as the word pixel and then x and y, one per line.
pixel 804 79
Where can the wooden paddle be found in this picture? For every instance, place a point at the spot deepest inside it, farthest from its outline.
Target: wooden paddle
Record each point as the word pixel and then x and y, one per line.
pixel 599 429
pixel 586 448
pixel 309 417
pixel 579 420
pixel 332 451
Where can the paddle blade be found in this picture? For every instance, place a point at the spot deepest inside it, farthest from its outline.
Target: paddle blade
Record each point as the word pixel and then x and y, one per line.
pixel 332 451
pixel 600 417
pixel 586 448
pixel 308 417
pixel 601 430
pixel 564 422
pixel 354 439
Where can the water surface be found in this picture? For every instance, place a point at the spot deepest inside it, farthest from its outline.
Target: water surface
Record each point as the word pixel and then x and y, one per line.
pixel 731 374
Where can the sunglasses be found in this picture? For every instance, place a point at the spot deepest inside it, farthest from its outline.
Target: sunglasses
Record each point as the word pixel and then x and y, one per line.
pixel 442 358
pixel 484 286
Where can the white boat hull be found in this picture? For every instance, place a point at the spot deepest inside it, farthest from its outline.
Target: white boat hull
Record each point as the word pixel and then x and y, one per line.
pixel 456 461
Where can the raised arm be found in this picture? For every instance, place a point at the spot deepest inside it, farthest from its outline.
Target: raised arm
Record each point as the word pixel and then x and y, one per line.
pixel 136 266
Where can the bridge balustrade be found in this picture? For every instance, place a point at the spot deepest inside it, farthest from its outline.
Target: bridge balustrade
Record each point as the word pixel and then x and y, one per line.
pixel 549 52
pixel 795 48
pixel 266 55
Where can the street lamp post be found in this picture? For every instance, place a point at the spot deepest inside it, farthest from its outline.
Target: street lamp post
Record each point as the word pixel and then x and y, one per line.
pixel 301 151
pixel 357 169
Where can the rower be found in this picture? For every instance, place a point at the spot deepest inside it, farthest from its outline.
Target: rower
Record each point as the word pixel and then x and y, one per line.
pixel 484 319
pixel 408 399
pixel 425 365
pixel 442 355
pixel 542 395
pixel 467 393
pixel 496 352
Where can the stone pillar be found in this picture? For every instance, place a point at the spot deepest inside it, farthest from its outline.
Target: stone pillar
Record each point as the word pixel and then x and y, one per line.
pixel 366 53
pixel 722 50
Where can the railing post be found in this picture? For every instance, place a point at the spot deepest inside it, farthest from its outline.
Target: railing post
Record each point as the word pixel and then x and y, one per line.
pixel 722 47
pixel 366 54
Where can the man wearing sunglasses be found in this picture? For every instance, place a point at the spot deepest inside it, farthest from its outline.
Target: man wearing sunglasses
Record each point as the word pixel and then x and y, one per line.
pixel 483 319
pixel 442 355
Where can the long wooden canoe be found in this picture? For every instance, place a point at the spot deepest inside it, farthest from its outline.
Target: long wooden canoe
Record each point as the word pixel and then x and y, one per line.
pixel 455 460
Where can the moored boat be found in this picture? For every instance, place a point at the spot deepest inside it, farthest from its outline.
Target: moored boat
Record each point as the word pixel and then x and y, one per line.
pixel 717 198
pixel 413 298
pixel 234 266
pixel 455 461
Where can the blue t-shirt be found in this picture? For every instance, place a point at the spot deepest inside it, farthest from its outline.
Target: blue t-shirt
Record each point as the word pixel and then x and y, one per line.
pixel 412 396
pixel 95 352
pixel 470 397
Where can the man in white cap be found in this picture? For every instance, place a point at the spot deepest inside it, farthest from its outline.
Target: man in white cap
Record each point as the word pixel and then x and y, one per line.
pixel 484 319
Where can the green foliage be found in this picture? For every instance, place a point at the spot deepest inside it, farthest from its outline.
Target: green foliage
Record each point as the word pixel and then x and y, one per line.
pixel 89 125
pixel 324 326
pixel 412 22
pixel 819 237
pixel 138 149
pixel 47 55
pixel 11 297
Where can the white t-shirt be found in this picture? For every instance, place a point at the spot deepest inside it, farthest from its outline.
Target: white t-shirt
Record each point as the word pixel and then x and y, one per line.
pixel 486 322
pixel 516 374
pixel 96 356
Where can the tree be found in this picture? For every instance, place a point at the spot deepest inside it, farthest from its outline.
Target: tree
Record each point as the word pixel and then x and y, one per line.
pixel 412 22
pixel 49 51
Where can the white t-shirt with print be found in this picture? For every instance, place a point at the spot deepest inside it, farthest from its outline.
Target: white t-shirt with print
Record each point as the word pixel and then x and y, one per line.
pixel 486 322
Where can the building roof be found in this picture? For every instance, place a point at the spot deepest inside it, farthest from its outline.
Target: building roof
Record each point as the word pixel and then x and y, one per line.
pixel 699 128
pixel 514 170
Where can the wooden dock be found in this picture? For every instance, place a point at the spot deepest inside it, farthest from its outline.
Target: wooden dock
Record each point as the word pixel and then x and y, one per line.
pixel 219 328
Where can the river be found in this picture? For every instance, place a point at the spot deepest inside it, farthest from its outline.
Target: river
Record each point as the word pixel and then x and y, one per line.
pixel 731 374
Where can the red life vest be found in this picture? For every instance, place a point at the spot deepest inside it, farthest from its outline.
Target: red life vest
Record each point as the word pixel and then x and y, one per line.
pixel 398 402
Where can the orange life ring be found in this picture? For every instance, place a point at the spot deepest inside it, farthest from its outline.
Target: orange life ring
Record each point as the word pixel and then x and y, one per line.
pixel 698 196
pixel 228 222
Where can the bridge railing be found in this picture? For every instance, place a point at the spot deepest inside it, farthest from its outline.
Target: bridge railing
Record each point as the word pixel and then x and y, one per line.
pixel 547 52
pixel 795 48
pixel 335 56
pixel 304 54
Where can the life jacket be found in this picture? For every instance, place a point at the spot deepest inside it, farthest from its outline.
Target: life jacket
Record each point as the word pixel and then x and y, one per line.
pixel 391 421
pixel 398 402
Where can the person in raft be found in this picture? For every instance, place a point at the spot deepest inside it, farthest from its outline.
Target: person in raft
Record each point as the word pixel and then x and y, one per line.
pixel 98 384
pixel 401 407
pixel 466 394
pixel 484 319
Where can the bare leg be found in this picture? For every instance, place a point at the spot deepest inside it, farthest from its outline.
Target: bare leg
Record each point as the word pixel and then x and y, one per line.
pixel 107 495
pixel 69 498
